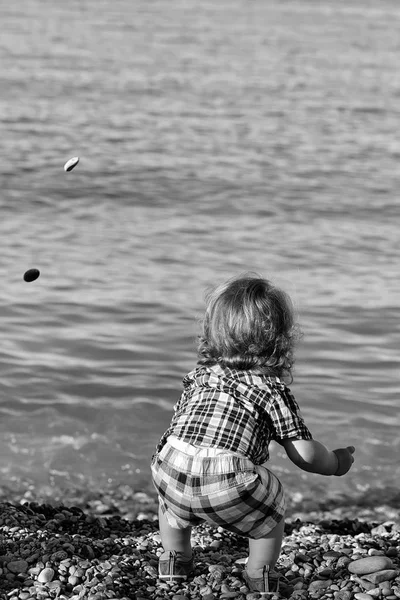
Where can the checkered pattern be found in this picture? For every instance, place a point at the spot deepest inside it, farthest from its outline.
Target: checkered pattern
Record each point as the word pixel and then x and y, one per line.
pixel 237 411
pixel 226 490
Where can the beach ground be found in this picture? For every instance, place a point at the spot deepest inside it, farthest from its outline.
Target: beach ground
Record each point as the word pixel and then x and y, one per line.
pixel 105 546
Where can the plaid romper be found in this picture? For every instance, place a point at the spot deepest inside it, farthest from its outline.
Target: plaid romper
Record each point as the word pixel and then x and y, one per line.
pixel 208 464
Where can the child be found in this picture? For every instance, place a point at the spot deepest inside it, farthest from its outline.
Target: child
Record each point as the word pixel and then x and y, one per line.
pixel 208 464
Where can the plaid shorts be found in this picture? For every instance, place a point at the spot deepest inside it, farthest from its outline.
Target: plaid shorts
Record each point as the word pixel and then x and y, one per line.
pixel 226 491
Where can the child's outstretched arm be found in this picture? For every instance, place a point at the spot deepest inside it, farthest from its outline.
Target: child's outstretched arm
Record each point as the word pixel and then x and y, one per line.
pixel 314 457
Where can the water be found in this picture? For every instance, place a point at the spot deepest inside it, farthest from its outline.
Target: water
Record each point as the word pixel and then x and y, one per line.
pixel 215 138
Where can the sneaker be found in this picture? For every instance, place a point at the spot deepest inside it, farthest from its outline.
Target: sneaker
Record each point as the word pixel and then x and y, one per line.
pixel 268 583
pixel 172 566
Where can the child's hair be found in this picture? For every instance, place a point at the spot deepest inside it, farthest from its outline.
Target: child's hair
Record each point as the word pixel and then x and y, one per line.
pixel 249 324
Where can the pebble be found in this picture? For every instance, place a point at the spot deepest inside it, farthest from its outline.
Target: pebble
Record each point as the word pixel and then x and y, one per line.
pixel 343 561
pixel 319 584
pixel 385 585
pixel 379 530
pixel 31 275
pixel 371 564
pixel 71 163
pixel 225 589
pixel 325 573
pixel 366 585
pixel 331 554
pixel 342 595
pixel 205 590
pixel 17 566
pixel 217 571
pixel 379 576
pixel 116 559
pixel 46 575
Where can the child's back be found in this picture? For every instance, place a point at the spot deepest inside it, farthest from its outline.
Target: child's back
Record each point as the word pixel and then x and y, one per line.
pixel 208 464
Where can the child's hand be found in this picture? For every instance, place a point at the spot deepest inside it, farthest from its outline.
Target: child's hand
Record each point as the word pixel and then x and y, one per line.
pixel 345 460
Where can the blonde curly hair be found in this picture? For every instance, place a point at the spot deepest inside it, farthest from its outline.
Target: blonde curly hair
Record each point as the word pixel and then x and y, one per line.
pixel 249 325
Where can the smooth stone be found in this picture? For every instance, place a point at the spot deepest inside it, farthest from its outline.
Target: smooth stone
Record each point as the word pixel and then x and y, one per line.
pixel 31 275
pixel 301 558
pixel 366 585
pixel 379 576
pixel 342 595
pixel 17 566
pixel 385 585
pixel 299 585
pixel 71 163
pixel 361 596
pixel 343 561
pixel 319 584
pixel 331 554
pixel 55 584
pixel 46 575
pixel 87 551
pixel 59 555
pixel 325 573
pixel 371 564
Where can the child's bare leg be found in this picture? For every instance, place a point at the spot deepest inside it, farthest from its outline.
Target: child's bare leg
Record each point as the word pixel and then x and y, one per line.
pixel 265 551
pixel 174 539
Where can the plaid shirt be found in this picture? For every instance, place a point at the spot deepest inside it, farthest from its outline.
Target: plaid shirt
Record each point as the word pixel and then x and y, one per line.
pixel 237 411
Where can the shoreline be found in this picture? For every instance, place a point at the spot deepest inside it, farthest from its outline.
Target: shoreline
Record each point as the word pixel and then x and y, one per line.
pixel 107 550
pixel 374 504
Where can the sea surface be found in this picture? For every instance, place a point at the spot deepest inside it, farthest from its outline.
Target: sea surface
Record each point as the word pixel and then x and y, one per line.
pixel 215 138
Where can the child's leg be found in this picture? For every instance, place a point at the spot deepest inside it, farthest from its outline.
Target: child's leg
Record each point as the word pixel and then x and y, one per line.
pixel 265 551
pixel 173 538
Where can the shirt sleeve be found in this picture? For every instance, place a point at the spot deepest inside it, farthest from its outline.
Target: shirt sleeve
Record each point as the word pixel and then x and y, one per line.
pixel 286 419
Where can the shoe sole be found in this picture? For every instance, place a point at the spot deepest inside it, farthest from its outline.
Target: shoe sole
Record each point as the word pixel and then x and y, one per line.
pixel 173 577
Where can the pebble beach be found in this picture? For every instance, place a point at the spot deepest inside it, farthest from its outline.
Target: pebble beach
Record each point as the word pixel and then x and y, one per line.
pixel 100 548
